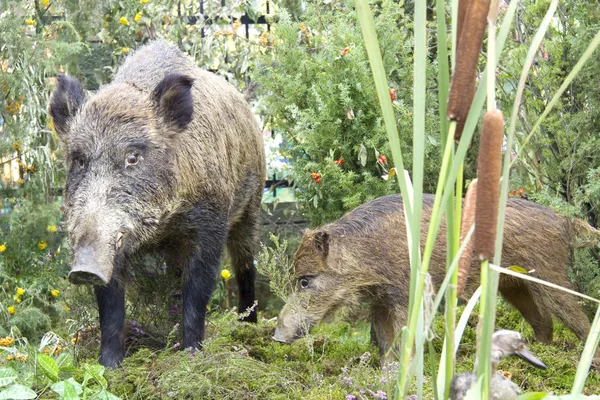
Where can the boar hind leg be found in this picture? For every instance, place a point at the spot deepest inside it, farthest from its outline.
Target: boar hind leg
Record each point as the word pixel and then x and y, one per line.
pixel 384 321
pixel 111 307
pixel 564 307
pixel 200 259
pixel 540 319
pixel 242 244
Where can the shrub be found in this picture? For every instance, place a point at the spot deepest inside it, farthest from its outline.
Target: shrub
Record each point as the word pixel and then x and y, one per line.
pixel 316 89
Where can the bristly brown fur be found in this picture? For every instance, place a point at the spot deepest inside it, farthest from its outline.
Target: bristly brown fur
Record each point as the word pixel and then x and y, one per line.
pixel 368 261
pixel 489 169
pixel 167 158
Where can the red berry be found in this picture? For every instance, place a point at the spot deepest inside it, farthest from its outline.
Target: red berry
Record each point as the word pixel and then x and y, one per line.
pixel 393 94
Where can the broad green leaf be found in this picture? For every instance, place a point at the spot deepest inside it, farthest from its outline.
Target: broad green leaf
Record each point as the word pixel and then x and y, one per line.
pixel 95 372
pixel 68 390
pixel 518 269
pixel 7 376
pixel 48 366
pixel 17 392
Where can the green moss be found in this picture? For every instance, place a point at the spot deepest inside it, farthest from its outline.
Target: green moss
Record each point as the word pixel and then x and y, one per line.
pixel 240 360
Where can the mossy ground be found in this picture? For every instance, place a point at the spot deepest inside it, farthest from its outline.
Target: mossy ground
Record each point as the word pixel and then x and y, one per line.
pixel 240 361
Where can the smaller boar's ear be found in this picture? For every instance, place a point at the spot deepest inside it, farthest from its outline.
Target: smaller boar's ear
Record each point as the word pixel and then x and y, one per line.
pixel 66 100
pixel 174 101
pixel 322 243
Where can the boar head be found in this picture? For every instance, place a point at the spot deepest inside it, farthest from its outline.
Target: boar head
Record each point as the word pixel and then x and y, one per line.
pixel 120 163
pixel 320 288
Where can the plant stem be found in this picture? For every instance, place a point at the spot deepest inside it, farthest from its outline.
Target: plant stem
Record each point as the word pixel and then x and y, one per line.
pixel 417 299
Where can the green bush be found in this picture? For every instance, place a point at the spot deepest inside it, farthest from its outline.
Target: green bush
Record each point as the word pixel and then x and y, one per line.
pixel 315 87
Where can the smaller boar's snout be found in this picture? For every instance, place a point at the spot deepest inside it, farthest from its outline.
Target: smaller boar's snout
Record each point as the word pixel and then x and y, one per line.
pixel 278 337
pixel 85 270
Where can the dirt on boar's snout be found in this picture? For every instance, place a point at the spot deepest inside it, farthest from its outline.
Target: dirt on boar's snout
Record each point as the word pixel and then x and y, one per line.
pixel 368 248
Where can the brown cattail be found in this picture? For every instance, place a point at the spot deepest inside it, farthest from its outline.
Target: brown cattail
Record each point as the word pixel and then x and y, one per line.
pixel 489 168
pixel 462 86
pixel 463 7
pixel 467 220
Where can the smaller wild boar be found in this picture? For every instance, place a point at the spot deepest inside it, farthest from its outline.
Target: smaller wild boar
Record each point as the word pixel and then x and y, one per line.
pixel 364 257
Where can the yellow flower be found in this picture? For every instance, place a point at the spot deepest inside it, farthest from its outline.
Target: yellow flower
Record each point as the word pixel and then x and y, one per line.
pixel 138 16
pixel 124 21
pixel 2 248
pixel 143 1
pixel 42 245
pixel 22 357
pixel 45 2
pixel 125 50
pixel 55 292
pixel 51 228
pixel 6 341
pixel 11 310
pixel 30 21
pixel 58 251
pixel 9 357
pixel 20 181
pixel 17 299
pixel 225 274
pixel 66 308
pixel 20 291
pixel 264 40
pixel 106 24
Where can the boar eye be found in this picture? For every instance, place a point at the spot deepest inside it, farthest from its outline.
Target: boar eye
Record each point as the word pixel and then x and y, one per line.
pixel 79 161
pixel 132 159
pixel 303 282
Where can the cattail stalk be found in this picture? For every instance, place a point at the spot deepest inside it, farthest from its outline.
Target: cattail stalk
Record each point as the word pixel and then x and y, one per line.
pixel 489 168
pixel 468 219
pixel 462 86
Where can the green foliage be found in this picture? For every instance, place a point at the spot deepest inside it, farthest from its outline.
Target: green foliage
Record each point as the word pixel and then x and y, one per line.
pixel 48 371
pixel 317 90
pixel 563 157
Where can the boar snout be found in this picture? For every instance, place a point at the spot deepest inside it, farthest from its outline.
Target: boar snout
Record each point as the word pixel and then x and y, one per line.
pixel 85 270
pixel 291 325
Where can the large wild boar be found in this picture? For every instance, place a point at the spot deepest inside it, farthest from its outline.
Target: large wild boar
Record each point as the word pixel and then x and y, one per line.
pixel 169 158
pixel 364 257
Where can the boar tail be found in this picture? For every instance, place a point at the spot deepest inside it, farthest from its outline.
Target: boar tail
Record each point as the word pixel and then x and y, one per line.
pixel 467 220
pixel 583 234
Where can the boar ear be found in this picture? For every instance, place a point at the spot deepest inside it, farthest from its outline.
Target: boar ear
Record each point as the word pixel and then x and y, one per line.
pixel 174 101
pixel 65 102
pixel 322 243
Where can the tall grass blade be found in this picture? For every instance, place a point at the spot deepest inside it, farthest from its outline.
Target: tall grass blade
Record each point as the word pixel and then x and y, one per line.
pixel 419 95
pixel 531 53
pixel 367 24
pixel 589 351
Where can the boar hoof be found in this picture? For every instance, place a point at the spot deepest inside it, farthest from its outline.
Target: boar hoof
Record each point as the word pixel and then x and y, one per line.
pixel 84 277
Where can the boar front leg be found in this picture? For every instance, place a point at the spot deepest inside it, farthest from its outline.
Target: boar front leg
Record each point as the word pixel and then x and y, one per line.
pixel 111 307
pixel 200 264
